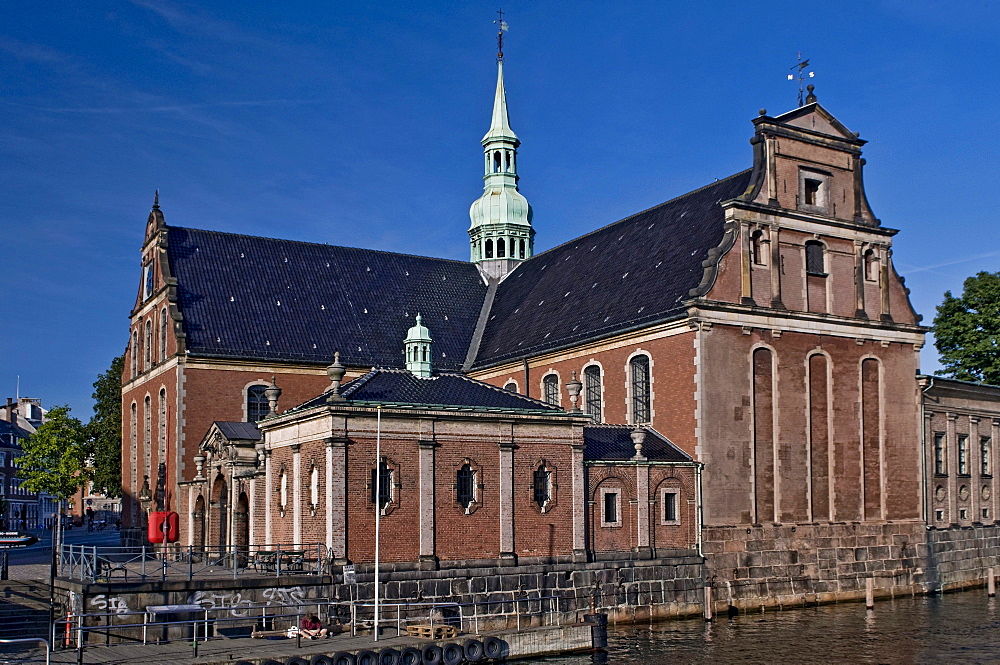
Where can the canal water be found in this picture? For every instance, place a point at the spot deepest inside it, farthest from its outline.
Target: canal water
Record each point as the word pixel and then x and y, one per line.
pixel 952 628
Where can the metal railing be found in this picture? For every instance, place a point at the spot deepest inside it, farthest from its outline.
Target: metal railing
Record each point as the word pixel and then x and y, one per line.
pixel 33 640
pixel 93 563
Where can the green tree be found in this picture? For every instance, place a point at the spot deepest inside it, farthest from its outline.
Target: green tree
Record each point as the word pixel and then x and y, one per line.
pixel 55 455
pixel 967 330
pixel 105 430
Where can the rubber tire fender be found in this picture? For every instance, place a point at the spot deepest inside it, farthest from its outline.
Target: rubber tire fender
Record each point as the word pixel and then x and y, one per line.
pixel 270 661
pixel 388 657
pixel 366 657
pixel 410 656
pixel 344 658
pixel 296 660
pixel 320 659
pixel 431 655
pixel 494 648
pixel 452 654
pixel 474 651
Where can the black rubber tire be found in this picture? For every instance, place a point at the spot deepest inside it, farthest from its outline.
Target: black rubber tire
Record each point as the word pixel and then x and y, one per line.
pixel 388 657
pixel 452 654
pixel 270 661
pixel 366 657
pixel 410 656
pixel 320 659
pixel 296 660
pixel 344 658
pixel 243 662
pixel 431 655
pixel 474 651
pixel 494 648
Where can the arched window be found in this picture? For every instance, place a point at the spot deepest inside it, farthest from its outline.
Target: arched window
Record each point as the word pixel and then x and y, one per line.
pixel 163 334
pixel 757 248
pixel 542 486
pixel 149 343
pixel 134 453
pixel 511 387
pixel 135 354
pixel 147 434
pixel 489 249
pixel 382 485
pixel 592 392
pixel 815 264
pixel 497 161
pixel 282 491
pixel 639 376
pixel 551 389
pixel 465 486
pixel 257 406
pixel 521 250
pixel 314 487
pixel 871 265
pixel 501 248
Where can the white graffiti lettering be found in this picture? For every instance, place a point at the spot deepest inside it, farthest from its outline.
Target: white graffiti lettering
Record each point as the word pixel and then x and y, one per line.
pixel 112 604
pixel 239 605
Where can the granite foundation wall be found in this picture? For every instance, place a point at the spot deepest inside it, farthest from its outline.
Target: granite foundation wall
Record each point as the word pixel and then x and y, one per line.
pixel 961 556
pixel 750 568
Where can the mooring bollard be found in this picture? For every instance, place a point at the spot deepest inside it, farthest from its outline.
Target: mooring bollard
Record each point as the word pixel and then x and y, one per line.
pixel 991 584
pixel 708 602
pixel 870 592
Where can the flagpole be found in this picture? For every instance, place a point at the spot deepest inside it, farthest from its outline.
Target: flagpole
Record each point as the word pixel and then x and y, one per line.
pixel 378 506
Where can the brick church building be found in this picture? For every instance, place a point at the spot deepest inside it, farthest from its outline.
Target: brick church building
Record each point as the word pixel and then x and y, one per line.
pixel 728 365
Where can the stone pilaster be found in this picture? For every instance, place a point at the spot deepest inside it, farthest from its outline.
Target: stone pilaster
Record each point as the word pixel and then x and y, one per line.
pixel 268 502
pixel 975 470
pixel 336 499
pixel 859 280
pixel 252 517
pixel 579 505
pixel 296 494
pixel 776 269
pixel 508 556
pixel 994 469
pixel 642 511
pixel 951 448
pixel 428 557
pixel 192 497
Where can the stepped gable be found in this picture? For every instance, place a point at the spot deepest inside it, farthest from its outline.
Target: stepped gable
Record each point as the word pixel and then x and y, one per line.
pixel 633 273
pixel 449 390
pixel 264 299
pixel 614 443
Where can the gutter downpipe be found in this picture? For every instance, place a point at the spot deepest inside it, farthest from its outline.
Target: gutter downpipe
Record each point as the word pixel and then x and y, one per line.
pixel 700 508
pixel 923 452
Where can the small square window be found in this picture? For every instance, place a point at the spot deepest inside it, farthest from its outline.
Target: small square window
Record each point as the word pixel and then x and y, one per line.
pixel 810 191
pixel 813 194
pixel 963 514
pixel 610 506
pixel 939 515
pixel 669 512
pixel 986 513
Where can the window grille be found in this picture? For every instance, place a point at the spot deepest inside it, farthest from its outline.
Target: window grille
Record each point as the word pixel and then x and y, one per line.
pixel 592 394
pixel 551 384
pixel 542 486
pixel 641 406
pixel 466 486
pixel 939 455
pixel 963 455
pixel 383 486
pixel 257 406
pixel 670 506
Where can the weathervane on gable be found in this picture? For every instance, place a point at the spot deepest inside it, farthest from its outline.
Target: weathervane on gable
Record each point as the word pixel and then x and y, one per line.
pixel 502 27
pixel 802 75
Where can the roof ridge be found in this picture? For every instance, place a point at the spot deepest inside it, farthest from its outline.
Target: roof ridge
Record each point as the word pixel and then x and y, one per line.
pixel 355 384
pixel 504 390
pixel 319 244
pixel 641 212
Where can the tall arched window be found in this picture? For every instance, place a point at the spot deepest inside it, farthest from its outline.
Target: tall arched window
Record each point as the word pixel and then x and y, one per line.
pixel 134 452
pixel 871 265
pixel 149 343
pixel 521 249
pixel 147 435
pixel 313 487
pixel 592 392
pixel 815 263
pixel 757 248
pixel 550 385
pixel 257 406
pixel 163 334
pixel 381 487
pixel 497 161
pixel 489 249
pixel 162 450
pixel 639 376
pixel 135 354
pixel 501 248
pixel 465 486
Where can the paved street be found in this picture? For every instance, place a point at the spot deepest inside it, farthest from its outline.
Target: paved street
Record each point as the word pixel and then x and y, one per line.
pixel 32 563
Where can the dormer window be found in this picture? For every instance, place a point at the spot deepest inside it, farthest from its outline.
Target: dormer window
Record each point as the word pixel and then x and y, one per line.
pixel 813 190
pixel 147 280
pixel 871 265
pixel 758 255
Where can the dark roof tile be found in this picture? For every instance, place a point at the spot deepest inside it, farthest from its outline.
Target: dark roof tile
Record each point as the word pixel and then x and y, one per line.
pixel 614 443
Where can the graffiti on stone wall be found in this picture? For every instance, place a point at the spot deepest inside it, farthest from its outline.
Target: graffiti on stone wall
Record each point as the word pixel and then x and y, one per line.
pixel 110 604
pixel 239 604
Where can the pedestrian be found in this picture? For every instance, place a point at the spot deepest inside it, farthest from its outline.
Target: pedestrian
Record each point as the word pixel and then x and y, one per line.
pixel 312 628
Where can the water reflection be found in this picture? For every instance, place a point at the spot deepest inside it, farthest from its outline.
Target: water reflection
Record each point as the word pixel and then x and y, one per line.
pixel 954 628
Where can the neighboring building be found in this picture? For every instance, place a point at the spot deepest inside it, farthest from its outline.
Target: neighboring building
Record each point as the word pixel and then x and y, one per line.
pixel 756 326
pixel 961 425
pixel 19 508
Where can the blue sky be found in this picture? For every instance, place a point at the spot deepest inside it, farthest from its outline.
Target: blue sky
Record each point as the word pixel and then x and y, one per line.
pixel 359 124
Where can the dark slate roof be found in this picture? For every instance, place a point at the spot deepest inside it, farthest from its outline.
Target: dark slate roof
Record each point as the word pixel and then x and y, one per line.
pixel 631 273
pixel 446 389
pixel 10 428
pixel 238 431
pixel 358 301
pixel 614 442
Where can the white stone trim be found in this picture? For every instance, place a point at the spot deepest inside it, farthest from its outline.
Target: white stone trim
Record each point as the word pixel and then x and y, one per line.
pixel 629 416
pixel 541 385
pixel 676 492
pixel 246 396
pixel 602 492
pixel 583 393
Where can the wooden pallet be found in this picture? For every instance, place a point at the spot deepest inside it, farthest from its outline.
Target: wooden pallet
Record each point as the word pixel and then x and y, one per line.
pixel 428 632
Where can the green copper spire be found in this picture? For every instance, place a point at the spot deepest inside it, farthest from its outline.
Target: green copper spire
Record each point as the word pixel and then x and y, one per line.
pixel 417 347
pixel 501 235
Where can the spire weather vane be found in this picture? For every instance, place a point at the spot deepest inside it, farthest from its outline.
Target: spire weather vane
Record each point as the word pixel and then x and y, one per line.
pixel 502 27
pixel 802 65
